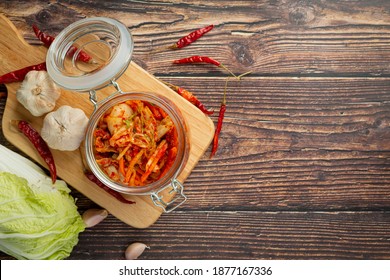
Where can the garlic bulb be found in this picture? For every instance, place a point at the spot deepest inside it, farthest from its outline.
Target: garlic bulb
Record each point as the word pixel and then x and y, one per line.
pixel 64 129
pixel 38 93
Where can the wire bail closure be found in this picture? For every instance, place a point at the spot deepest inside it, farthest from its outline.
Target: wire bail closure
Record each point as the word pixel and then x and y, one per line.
pixel 93 95
pixel 177 188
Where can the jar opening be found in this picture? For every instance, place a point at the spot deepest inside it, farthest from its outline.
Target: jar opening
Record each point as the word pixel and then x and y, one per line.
pixel 89 53
pixel 101 54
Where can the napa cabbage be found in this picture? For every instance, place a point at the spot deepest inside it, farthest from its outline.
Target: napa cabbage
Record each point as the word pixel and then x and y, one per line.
pixel 38 220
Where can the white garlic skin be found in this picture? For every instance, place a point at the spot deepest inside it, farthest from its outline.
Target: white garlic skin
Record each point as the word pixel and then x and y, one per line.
pixel 92 217
pixel 135 250
pixel 64 129
pixel 38 93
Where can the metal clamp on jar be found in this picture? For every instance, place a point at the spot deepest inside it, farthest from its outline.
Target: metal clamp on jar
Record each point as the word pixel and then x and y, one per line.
pixel 92 54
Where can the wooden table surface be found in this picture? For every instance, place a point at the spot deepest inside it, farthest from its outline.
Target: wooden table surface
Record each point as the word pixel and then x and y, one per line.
pixel 303 167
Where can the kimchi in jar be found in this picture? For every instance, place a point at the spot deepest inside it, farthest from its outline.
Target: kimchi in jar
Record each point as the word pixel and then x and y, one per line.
pixel 135 143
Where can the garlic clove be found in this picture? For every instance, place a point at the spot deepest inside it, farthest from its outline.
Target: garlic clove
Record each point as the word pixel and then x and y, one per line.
pixel 135 250
pixel 38 93
pixel 64 129
pixel 92 217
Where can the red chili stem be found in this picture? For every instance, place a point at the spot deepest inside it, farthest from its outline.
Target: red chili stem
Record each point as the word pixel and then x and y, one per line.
pixel 39 144
pixel 48 39
pixel 192 37
pixel 203 59
pixel 221 116
pixel 190 97
pixel 115 194
pixel 244 74
pixel 18 75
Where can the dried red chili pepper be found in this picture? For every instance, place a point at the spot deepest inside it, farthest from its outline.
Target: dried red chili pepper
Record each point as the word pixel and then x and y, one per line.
pixel 197 58
pixel 192 37
pixel 48 39
pixel 43 37
pixel 218 129
pixel 40 144
pixel 82 55
pixel 203 59
pixel 115 194
pixel 18 75
pixel 190 97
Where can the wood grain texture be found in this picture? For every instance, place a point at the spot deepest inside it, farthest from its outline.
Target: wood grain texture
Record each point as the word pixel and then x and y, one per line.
pixel 303 168
pixel 244 235
pixel 287 143
pixel 281 37
pixel 257 235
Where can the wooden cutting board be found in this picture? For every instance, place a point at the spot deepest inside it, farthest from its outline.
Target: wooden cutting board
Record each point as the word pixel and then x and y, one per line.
pixel 16 53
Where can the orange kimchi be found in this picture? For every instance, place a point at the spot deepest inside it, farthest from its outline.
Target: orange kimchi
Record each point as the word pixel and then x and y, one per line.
pixel 135 143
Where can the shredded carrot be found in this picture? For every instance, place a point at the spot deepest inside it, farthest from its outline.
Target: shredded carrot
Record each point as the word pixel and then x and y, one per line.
pixel 171 158
pixel 130 168
pixel 137 140
pixel 123 152
pixel 157 155
pixel 162 112
pixel 122 165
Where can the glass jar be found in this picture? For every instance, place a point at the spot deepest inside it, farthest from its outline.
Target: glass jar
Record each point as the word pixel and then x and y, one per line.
pixel 92 54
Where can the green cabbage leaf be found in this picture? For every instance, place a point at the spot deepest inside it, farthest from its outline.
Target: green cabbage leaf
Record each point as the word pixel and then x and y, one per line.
pixel 38 220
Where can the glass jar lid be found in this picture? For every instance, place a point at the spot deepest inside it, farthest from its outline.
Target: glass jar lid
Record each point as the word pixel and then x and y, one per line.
pixel 89 54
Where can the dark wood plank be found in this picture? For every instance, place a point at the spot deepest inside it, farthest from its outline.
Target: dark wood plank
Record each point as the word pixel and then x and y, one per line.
pixel 291 143
pixel 244 235
pixel 303 166
pixel 324 38
pixel 286 143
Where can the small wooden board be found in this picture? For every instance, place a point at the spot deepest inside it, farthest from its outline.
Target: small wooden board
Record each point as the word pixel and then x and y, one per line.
pixel 16 53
